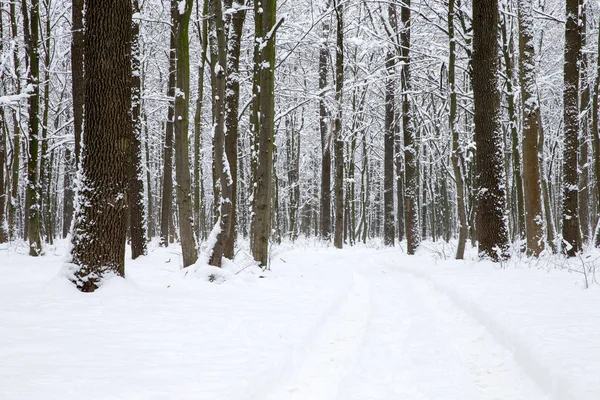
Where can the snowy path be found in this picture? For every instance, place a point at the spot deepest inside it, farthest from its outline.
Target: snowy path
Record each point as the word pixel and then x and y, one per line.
pixel 324 324
pixel 396 337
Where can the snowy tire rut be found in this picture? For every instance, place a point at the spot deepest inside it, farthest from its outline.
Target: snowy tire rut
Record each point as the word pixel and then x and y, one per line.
pixel 333 352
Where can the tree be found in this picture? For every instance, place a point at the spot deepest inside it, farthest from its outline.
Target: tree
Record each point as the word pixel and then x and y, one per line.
pixel 222 230
pixel 181 115
pixel 570 218
pixel 531 117
pixel 338 141
pixel 325 203
pixel 232 99
pixel 411 171
pixel 389 223
pixel 264 65
pixel 491 225
pixel 33 204
pixel 166 211
pixel 100 226
pixel 137 218
pixel 456 157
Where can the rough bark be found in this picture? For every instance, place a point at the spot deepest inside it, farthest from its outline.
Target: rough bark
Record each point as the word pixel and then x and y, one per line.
pixel 388 162
pixel 570 218
pixel 531 117
pixel 101 221
pixel 137 218
pixel 411 189
pixel 265 66
pixel 181 125
pixel 596 142
pixel 33 200
pixel 490 198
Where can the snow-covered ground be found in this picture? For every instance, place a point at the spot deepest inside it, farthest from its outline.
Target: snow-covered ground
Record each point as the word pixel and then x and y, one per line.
pixel 356 324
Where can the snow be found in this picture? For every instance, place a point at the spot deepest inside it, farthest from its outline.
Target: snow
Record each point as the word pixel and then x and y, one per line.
pixel 353 324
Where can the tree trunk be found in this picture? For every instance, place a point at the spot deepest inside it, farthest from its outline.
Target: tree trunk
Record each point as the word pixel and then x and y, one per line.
pixel 222 229
pixel 570 218
pixel 13 220
pixel 491 226
pixel 411 193
pixel 325 205
pixel 137 218
pixel 33 201
pixel 456 157
pixel 232 99
pixel 182 162
pixel 265 66
pixel 166 212
pixel 596 142
pixel 338 146
pixel 388 162
pixel 531 118
pixel 100 224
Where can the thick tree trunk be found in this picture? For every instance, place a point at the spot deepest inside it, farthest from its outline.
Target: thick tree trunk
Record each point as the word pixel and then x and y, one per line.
pixel 181 124
pixel 531 118
pixel 570 217
pixel 100 224
pixel 411 198
pixel 265 65
pixel 491 225
pixel 135 196
pixel 33 201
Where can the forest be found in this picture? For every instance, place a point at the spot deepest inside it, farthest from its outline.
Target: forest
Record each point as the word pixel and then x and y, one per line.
pixel 299 199
pixel 216 122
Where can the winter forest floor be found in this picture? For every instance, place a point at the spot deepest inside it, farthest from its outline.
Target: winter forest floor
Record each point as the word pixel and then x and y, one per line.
pixel 355 324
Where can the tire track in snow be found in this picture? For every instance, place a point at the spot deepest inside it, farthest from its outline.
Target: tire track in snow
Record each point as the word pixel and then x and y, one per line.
pixel 332 353
pixel 418 345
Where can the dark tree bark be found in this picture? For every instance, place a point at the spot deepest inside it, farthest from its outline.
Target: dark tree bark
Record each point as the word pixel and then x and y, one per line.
pixel 137 218
pixel 265 65
pixel 491 226
pixel 232 99
pixel 325 204
pixel 101 222
pixel 69 196
pixel 570 218
pixel 338 141
pixel 181 124
pixel 166 211
pixel 3 137
pixel 218 51
pixel 531 117
pixel 411 170
pixel 33 200
pixel 389 222
pixel 596 142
